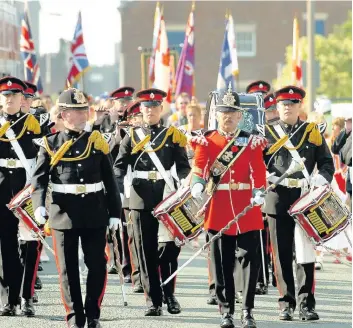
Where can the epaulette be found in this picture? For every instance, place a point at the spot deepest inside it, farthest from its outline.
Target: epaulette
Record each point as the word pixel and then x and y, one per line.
pixel 199 132
pixel 40 141
pixel 108 137
pixel 258 141
pixel 322 127
pixel 208 132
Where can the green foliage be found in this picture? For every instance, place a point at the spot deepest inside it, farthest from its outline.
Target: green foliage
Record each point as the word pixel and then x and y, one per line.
pixel 334 54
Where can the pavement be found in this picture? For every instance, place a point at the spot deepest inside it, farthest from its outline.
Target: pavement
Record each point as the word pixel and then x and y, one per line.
pixel 333 297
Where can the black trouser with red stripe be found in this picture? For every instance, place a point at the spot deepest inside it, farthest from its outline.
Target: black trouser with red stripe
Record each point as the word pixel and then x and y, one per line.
pixel 282 241
pixel 93 243
pixel 135 268
pixel 168 264
pixel 30 256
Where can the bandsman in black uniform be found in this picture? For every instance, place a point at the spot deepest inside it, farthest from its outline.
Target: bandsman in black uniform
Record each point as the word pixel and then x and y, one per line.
pixel 122 98
pixel 305 141
pixel 151 150
pixel 17 160
pixel 85 201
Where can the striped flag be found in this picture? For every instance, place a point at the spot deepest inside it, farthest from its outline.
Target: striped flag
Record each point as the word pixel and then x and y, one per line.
pixel 79 61
pixel 156 30
pixel 28 53
pixel 162 61
pixel 225 73
pixel 297 77
pixel 184 75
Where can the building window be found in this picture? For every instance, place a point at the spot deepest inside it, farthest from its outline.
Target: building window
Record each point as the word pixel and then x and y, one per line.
pixel 320 23
pixel 245 38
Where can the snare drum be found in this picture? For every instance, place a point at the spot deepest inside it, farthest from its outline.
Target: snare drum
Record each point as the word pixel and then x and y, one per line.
pixel 321 214
pixel 21 206
pixel 178 214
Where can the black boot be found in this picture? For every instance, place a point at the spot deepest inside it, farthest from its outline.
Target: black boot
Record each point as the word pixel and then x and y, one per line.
pixel 173 305
pixel 28 308
pixel 9 310
pixel 154 311
pixel 35 297
pixel 227 321
pixel 247 319
pixel 40 268
pixel 286 314
pixel 38 283
pixel 261 289
pixel 127 279
pixel 307 314
pixel 212 300
pixel 137 289
pixel 93 323
pixel 113 270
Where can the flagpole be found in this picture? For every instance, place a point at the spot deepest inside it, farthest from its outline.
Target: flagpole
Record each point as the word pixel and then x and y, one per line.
pixel 310 87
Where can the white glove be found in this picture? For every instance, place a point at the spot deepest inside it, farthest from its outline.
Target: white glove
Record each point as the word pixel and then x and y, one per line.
pixel 114 223
pixel 258 199
pixel 318 180
pixel 39 214
pixel 196 190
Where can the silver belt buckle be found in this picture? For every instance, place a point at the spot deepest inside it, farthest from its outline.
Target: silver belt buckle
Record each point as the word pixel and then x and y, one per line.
pixel 152 175
pixel 293 183
pixel 80 189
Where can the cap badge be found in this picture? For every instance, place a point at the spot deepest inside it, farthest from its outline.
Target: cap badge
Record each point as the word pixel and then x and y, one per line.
pixel 9 83
pixel 126 92
pixel 79 97
pixel 152 95
pixel 291 91
pixel 228 99
pixel 261 85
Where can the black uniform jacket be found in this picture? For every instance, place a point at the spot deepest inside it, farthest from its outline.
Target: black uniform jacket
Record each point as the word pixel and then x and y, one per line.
pixel 13 180
pixel 280 200
pixel 67 211
pixel 146 194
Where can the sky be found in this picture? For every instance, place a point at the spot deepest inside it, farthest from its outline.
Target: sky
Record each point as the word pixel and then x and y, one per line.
pixel 101 27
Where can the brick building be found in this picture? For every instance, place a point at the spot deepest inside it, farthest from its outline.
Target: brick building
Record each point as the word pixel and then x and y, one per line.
pixel 263 30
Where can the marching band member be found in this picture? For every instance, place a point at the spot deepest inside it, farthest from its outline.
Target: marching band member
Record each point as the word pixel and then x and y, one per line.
pixel 293 139
pixel 233 160
pixel 16 166
pixel 151 150
pixel 77 164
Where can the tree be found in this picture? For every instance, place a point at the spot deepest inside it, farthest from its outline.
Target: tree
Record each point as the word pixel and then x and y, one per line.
pixel 334 54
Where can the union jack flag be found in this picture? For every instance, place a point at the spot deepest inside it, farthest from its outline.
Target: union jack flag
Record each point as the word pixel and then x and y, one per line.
pixel 31 66
pixel 79 61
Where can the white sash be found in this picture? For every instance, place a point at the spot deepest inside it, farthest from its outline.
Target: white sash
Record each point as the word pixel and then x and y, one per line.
pixel 10 134
pixel 156 161
pixel 304 248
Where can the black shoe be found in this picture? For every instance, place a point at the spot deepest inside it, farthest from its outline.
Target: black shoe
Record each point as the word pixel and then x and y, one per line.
pixel 127 280
pixel 247 319
pixel 212 300
pixel 261 289
pixel 75 326
pixel 238 297
pixel 274 280
pixel 227 321
pixel 308 314
pixel 137 289
pixel 28 308
pixel 153 311
pixel 286 314
pixel 40 268
pixel 113 270
pixel 173 306
pixel 9 310
pixel 93 323
pixel 38 283
pixel 35 297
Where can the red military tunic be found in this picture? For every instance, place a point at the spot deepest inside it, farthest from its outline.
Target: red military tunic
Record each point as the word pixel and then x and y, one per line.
pixel 226 204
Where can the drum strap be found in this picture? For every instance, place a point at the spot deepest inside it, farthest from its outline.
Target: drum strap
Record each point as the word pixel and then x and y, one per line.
pixel 225 159
pixel 294 153
pixel 10 134
pixel 156 161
